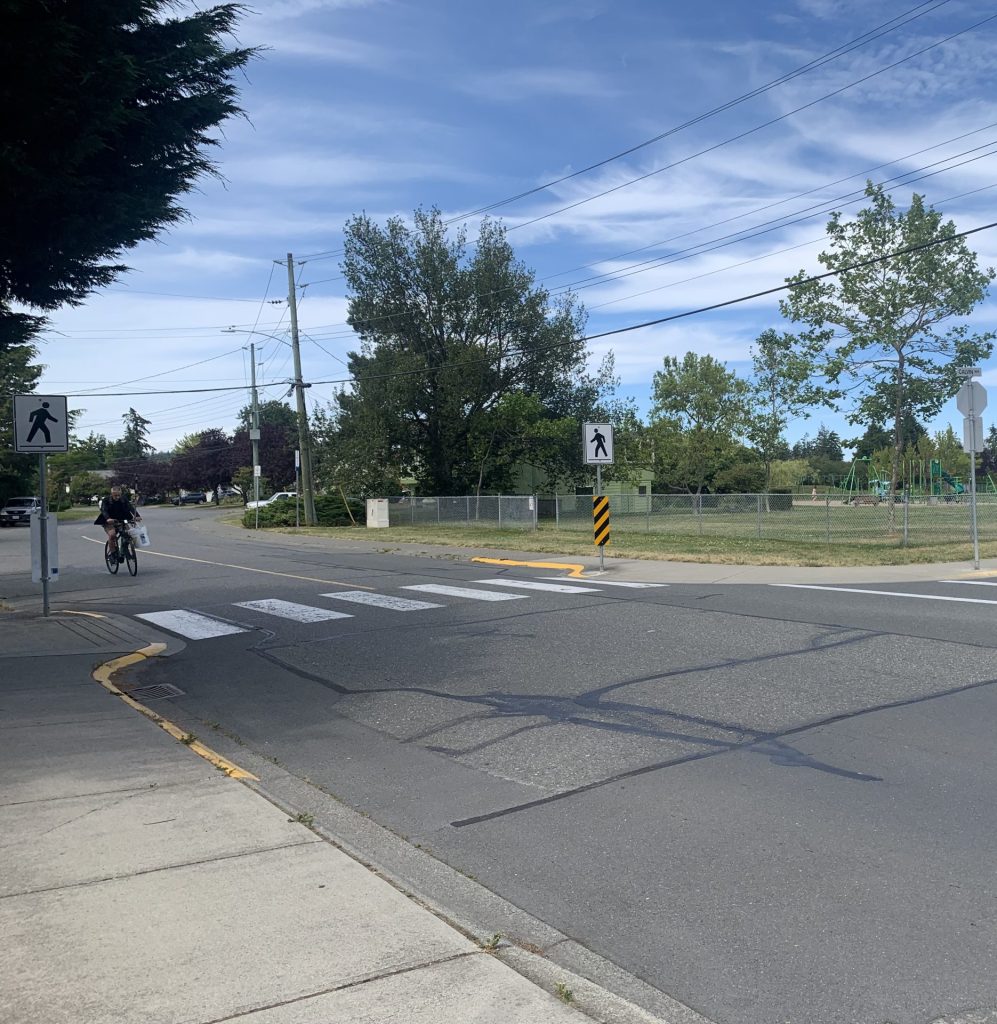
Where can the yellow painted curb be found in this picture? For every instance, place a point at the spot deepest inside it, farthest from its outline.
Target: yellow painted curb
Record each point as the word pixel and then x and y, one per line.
pixel 571 568
pixel 103 673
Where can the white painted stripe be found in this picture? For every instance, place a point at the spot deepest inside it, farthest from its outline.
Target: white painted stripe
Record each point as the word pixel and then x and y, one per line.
pixel 973 583
pixel 290 610
pixel 884 593
pixel 556 588
pixel 190 624
pixel 395 604
pixel 603 583
pixel 471 595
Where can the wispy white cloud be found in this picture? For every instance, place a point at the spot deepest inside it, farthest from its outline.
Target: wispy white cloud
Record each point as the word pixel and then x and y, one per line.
pixel 517 84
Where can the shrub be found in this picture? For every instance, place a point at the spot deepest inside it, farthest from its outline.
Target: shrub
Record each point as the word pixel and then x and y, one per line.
pixel 329 511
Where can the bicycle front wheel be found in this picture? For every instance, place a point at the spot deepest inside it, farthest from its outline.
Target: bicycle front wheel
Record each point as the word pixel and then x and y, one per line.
pixel 111 559
pixel 131 558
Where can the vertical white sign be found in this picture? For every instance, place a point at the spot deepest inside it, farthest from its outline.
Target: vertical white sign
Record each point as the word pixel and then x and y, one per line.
pixel 40 424
pixel 597 444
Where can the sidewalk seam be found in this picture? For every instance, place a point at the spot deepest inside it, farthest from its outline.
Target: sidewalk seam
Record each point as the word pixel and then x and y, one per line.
pixel 347 985
pixel 166 867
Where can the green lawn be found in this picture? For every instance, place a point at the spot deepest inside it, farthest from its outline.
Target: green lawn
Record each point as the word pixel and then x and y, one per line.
pixel 681 547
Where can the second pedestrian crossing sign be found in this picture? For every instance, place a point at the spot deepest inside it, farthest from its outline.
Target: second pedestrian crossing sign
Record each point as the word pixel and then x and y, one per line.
pixel 597 439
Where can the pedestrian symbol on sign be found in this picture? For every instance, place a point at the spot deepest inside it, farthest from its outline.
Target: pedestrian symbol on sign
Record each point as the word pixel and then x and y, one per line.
pixel 598 437
pixel 38 420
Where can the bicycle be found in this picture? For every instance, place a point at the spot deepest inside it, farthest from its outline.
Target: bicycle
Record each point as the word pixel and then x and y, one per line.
pixel 124 551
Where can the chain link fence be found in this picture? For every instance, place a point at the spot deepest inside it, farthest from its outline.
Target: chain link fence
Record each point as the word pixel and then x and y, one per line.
pixel 826 519
pixel 498 511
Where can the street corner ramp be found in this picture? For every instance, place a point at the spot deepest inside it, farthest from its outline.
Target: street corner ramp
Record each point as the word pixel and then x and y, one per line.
pixel 78 632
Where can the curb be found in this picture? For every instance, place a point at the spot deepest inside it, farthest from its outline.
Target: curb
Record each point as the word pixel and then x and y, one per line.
pixel 103 674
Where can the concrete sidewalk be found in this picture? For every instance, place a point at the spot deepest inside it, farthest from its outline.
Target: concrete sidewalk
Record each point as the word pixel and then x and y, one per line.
pixel 142 883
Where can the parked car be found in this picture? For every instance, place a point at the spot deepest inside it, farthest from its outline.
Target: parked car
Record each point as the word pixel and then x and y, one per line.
pixel 273 497
pixel 194 498
pixel 17 511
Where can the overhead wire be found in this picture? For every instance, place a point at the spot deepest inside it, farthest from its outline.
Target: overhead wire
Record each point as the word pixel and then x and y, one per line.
pixel 748 132
pixel 859 264
pixel 902 180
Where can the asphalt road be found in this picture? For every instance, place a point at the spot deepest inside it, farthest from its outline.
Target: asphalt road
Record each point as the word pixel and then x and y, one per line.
pixel 772 803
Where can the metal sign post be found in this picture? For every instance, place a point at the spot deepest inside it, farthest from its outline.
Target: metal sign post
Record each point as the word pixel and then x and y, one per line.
pixel 971 401
pixel 41 426
pixel 297 488
pixel 597 450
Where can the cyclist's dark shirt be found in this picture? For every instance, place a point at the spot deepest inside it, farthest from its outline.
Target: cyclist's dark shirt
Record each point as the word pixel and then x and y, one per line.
pixel 115 508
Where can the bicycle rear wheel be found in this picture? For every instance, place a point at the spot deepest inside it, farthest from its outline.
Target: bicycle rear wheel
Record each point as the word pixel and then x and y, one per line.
pixel 111 559
pixel 131 558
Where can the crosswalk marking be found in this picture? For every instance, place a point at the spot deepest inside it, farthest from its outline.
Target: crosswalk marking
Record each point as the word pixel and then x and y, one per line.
pixel 471 595
pixel 885 593
pixel 557 588
pixel 291 610
pixel 395 604
pixel 604 583
pixel 192 625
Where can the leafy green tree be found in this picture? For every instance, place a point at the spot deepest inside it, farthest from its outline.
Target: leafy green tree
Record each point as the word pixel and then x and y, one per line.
pixel 904 338
pixel 273 411
pixel 700 411
pixel 144 476
pixel 110 107
pixel 447 336
pixel 205 463
pixel 878 436
pixel 781 392
pixel 83 486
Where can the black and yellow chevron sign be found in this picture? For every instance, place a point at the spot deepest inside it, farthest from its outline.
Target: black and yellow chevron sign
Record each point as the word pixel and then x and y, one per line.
pixel 600 519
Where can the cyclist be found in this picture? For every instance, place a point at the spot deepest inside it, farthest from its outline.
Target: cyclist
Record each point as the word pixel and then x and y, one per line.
pixel 114 509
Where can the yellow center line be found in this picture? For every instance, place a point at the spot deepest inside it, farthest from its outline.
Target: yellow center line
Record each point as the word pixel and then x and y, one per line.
pixel 571 568
pixel 245 568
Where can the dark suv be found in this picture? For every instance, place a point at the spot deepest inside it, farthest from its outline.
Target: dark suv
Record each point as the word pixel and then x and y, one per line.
pixel 196 498
pixel 18 510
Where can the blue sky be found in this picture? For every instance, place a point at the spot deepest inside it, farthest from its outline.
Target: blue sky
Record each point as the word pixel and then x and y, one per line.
pixel 386 105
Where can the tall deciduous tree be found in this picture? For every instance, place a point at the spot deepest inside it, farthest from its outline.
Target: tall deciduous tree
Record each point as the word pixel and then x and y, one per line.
pixel 700 410
pixel 448 335
pixel 205 462
pixel 781 391
pixel 110 107
pixel 904 336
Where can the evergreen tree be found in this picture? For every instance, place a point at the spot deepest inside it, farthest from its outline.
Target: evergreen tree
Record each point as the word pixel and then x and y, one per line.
pixel 110 107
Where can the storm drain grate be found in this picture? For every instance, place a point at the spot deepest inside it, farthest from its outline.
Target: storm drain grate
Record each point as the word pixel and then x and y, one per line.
pixel 158 692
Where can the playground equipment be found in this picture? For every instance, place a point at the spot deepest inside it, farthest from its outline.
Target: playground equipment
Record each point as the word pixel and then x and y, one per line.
pixel 938 477
pixel 850 486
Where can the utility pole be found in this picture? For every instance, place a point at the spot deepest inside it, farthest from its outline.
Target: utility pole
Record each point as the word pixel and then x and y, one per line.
pixel 254 434
pixel 304 437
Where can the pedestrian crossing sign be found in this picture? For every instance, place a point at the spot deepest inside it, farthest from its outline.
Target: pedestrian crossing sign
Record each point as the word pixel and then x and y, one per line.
pixel 40 424
pixel 597 441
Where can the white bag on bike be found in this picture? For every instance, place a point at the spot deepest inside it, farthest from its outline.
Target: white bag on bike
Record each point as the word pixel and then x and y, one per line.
pixel 140 535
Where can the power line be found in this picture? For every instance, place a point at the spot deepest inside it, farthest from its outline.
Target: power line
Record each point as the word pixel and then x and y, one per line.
pixel 619 330
pixel 746 234
pixel 750 131
pixel 845 48
pixel 866 37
